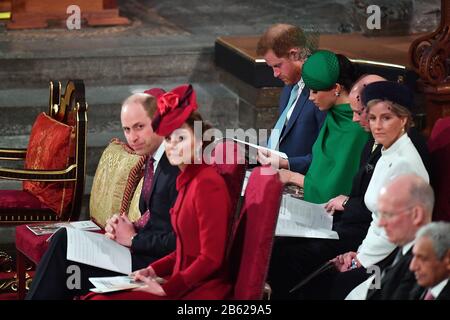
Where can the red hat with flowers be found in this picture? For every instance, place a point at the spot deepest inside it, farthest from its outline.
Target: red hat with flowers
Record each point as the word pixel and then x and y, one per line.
pixel 173 109
pixel 156 92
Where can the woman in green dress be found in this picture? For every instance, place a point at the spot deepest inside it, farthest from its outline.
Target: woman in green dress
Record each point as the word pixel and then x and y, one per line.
pixel 337 150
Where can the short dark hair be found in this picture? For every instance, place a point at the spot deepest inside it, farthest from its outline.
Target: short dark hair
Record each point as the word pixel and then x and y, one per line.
pixel 280 38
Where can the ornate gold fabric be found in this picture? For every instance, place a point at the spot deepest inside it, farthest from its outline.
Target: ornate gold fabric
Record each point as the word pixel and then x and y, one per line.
pixel 134 213
pixel 110 181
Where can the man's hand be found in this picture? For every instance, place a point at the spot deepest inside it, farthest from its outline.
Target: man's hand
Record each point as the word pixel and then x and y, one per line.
pixel 343 262
pixel 110 227
pixel 265 157
pixel 120 229
pixel 335 204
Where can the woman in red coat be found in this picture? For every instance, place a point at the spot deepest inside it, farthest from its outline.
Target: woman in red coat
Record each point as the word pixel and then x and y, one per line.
pixel 200 217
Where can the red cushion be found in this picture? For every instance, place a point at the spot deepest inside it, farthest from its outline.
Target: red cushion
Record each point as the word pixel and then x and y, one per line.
pixel 31 245
pixel 49 149
pixel 18 199
pixel 228 158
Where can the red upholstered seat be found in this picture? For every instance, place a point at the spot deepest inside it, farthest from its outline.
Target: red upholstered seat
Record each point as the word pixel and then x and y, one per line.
pixel 439 146
pixel 254 233
pixel 228 158
pixel 27 242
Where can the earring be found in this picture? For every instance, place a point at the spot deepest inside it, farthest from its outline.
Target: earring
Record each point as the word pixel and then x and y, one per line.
pixel 337 94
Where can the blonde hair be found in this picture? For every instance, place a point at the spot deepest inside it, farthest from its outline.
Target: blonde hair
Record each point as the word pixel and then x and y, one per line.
pixel 399 110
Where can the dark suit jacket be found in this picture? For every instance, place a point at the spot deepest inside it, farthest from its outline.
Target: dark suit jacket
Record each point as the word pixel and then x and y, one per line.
pixel 397 283
pixel 355 219
pixel 301 131
pixel 445 293
pixel 157 239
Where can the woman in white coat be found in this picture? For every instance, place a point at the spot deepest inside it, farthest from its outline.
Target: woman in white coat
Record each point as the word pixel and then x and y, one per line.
pixel 389 115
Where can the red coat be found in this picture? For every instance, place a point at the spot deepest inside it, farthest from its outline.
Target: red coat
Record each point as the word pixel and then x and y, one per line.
pixel 201 218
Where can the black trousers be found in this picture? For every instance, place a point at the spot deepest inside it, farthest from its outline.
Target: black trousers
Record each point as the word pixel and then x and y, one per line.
pixel 293 259
pixel 51 278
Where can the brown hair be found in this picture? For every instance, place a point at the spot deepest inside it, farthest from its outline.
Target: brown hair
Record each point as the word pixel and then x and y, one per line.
pixel 145 100
pixel 196 116
pixel 280 38
pixel 399 110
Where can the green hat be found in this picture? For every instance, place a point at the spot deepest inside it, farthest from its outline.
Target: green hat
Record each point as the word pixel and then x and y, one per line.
pixel 321 70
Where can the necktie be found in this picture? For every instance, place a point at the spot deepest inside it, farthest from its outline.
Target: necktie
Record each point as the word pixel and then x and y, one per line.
pixel 274 139
pixel 397 258
pixel 146 192
pixel 429 296
pixel 375 145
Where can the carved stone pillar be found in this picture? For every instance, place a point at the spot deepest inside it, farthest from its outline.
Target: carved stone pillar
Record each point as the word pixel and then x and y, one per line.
pixel 430 58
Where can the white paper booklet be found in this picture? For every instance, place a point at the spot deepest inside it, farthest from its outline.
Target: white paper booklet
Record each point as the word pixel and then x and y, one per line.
pixel 278 153
pixel 46 228
pixel 299 218
pixel 111 284
pixel 96 250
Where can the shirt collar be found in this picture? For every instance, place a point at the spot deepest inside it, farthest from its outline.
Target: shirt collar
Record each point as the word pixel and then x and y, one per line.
pixel 437 289
pixel 158 154
pixel 301 85
pixel 407 247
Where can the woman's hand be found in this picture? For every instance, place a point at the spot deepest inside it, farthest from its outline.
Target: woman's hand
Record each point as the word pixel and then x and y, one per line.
pixel 151 280
pixel 287 176
pixel 151 286
pixel 265 157
pixel 336 203
pixel 145 272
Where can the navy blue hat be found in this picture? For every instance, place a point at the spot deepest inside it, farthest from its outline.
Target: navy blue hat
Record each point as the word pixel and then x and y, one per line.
pixel 388 90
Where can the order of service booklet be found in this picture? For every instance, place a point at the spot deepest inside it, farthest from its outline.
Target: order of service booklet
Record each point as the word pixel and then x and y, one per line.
pixel 97 250
pixel 51 227
pixel 118 283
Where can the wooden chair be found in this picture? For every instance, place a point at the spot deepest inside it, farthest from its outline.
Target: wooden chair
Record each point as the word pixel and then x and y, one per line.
pixel 55 162
pixel 115 189
pixel 53 175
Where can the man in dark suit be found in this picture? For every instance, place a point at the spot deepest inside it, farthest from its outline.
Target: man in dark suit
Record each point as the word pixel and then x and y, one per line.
pixel 300 256
pixel 149 242
pixel 431 261
pixel 284 49
pixel 405 205
pixel 294 258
